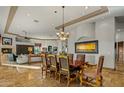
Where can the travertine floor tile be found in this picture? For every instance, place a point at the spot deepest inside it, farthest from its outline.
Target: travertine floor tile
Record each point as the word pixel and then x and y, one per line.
pixel 13 77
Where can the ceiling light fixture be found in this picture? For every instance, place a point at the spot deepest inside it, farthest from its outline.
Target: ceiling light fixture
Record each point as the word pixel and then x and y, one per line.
pixel 25 32
pixel 86 7
pixel 55 11
pixel 28 14
pixel 62 35
pixel 36 21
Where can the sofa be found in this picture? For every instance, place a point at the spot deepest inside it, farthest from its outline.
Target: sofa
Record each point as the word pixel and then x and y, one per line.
pixel 22 59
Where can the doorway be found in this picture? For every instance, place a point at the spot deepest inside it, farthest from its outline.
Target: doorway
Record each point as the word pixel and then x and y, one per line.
pixel 120 52
pixel 119 55
pixel 119 45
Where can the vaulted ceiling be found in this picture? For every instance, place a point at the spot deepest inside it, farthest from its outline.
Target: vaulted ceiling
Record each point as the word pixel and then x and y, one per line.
pixel 40 21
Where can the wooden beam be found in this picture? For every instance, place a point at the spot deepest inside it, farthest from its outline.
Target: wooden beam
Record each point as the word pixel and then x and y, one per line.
pixel 30 37
pixel 13 10
pixel 11 15
pixel 10 18
pixel 103 9
pixel 13 34
pixel 42 38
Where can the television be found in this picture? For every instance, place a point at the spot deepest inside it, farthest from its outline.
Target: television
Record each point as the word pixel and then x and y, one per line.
pixel 87 47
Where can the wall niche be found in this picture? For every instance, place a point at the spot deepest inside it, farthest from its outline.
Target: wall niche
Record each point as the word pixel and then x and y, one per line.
pixel 6 50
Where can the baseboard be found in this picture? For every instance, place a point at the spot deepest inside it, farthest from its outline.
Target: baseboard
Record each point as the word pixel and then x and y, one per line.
pixel 106 68
pixel 21 66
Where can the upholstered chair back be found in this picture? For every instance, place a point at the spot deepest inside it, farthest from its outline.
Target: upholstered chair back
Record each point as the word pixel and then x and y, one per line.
pixel 80 57
pixel 44 59
pixel 64 62
pixel 52 59
pixel 70 58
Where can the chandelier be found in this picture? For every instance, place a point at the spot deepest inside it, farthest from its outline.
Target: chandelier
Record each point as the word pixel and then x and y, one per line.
pixel 63 35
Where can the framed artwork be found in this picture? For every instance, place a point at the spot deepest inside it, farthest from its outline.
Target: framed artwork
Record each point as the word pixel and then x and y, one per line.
pixel 44 49
pixel 87 47
pixel 49 48
pixel 55 49
pixel 38 44
pixel 6 41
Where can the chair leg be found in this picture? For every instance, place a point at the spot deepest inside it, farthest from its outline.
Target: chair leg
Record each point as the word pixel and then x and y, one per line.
pixel 59 78
pixel 99 81
pixel 50 73
pixel 77 74
pixel 68 82
pixel 46 71
pixel 42 72
pixel 55 75
pixel 81 79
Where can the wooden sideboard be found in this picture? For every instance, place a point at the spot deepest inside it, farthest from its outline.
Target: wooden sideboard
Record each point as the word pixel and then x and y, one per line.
pixel 33 55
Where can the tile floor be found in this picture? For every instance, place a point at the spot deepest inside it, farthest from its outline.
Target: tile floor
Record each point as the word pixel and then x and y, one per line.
pixel 24 77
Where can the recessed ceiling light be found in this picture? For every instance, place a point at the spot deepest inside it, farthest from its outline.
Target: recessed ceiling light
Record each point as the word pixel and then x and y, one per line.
pixel 55 11
pixel 28 14
pixel 36 21
pixel 86 7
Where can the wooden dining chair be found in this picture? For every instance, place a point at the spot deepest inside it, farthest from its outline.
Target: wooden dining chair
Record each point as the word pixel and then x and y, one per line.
pixel 44 64
pixel 70 58
pixel 53 64
pixel 80 57
pixel 64 69
pixel 91 78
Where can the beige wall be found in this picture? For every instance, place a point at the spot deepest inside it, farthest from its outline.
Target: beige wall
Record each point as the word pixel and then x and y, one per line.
pixel 86 30
pixel 104 31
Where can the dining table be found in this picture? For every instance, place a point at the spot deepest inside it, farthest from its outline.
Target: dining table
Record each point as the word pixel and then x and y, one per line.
pixel 76 65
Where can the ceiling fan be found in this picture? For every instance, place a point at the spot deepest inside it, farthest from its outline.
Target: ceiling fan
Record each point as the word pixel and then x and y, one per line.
pixel 25 37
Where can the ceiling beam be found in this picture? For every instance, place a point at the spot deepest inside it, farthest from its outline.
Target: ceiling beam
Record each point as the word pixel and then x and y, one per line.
pixel 42 39
pixel 11 15
pixel 30 37
pixel 10 18
pixel 100 11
